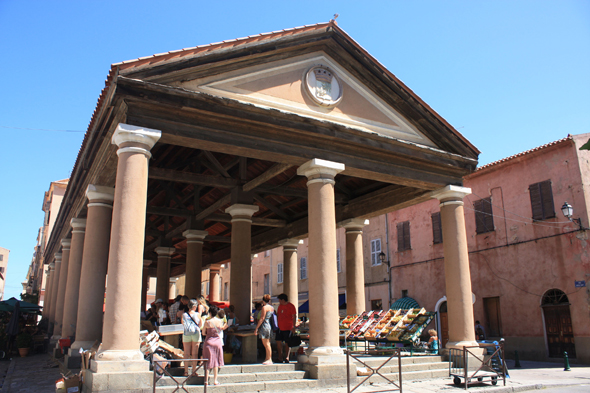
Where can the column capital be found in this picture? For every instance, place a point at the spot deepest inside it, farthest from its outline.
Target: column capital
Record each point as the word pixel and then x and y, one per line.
pixel 66 244
pixel 318 170
pixel 290 244
pixel 100 193
pixel 451 193
pixel 78 225
pixel 57 257
pixel 195 235
pixel 52 266
pixel 147 262
pixel 145 137
pixel 353 224
pixel 165 251
pixel 240 212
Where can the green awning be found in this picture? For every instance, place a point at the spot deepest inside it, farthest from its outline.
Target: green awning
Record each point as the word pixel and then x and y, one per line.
pixel 405 303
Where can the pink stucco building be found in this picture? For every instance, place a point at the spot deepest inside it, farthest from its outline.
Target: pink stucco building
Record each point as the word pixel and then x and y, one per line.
pixel 529 263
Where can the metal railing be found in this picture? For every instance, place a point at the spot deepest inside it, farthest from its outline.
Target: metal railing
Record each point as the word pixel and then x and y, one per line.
pixel 161 370
pixel 374 371
pixel 476 367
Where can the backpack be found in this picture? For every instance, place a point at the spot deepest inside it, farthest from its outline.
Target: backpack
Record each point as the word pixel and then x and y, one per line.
pixel 190 326
pixel 274 325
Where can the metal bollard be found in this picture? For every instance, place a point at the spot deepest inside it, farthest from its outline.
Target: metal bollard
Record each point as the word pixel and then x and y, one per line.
pixel 516 360
pixel 567 362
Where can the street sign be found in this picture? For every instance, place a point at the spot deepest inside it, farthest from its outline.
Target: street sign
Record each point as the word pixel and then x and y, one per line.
pixel 580 284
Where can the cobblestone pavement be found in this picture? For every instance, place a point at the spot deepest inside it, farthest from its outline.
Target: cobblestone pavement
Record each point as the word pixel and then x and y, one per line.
pixel 32 374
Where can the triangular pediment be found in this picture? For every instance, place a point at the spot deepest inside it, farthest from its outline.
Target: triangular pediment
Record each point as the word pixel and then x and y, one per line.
pixel 290 85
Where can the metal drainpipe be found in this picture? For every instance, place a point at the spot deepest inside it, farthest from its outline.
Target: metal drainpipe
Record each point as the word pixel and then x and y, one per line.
pixel 388 260
pixel 270 278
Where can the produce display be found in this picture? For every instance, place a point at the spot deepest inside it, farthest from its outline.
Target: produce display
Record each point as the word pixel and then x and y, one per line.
pixel 391 325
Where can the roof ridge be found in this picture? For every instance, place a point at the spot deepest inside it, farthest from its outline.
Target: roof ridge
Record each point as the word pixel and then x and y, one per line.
pixel 534 149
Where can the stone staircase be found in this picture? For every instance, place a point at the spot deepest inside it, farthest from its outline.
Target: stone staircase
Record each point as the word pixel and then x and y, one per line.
pixel 257 377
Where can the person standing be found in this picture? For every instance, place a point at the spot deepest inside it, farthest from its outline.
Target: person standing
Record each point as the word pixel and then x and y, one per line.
pixel 287 320
pixel 213 345
pixel 263 327
pixel 191 339
pixel 173 310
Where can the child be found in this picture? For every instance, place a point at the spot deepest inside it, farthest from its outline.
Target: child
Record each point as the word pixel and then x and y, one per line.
pixel 433 342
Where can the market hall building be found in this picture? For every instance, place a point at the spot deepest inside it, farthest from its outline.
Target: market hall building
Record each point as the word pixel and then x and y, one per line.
pixel 204 156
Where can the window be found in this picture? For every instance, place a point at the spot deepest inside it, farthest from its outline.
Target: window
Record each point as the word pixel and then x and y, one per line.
pixel 484 220
pixel 226 291
pixel 376 304
pixel 1 257
pixel 267 283
pixel 207 293
pixel 404 293
pixel 375 251
pixel 338 265
pixel 542 200
pixel 267 253
pixel 436 228
pixel 403 236
pixel 2 269
pixel 280 273
pixel 203 288
pixel 220 287
pixel 303 269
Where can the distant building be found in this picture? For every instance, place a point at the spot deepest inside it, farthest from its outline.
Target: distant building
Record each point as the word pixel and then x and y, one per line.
pixel 3 265
pixel 37 275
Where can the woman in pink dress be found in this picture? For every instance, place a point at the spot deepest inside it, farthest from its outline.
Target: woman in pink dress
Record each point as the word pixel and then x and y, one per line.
pixel 213 345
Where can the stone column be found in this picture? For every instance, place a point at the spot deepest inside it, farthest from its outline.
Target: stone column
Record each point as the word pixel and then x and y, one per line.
pixel 120 352
pixel 355 266
pixel 213 285
pixel 457 274
pixel 194 261
pixel 48 285
pixel 172 288
pixel 94 266
pixel 290 276
pixel 54 285
pixel 73 285
pixel 323 273
pixel 145 284
pixel 163 272
pixel 61 287
pixel 240 294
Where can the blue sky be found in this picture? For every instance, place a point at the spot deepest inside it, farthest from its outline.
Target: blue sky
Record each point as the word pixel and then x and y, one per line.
pixel 509 75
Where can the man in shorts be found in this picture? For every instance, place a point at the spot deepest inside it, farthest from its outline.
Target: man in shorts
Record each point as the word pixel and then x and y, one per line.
pixel 287 321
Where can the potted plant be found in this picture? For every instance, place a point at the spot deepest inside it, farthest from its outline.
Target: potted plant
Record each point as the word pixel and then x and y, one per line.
pixel 23 343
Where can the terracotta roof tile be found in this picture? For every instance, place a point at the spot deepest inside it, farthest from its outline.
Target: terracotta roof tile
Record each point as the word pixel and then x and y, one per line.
pixel 524 153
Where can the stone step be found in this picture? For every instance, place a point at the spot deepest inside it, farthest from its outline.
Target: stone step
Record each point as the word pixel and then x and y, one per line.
pixel 377 360
pixel 235 378
pixel 299 385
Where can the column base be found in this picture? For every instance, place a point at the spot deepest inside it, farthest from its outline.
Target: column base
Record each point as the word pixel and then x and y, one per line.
pixel 461 344
pixel 73 360
pixel 326 363
pixel 118 376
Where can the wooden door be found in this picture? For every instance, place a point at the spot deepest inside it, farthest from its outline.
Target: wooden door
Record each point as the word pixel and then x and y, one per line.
pixel 560 335
pixel 491 306
pixel 444 325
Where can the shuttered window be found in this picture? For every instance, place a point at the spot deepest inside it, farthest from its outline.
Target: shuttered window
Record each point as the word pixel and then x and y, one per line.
pixel 338 265
pixel 303 269
pixel 280 273
pixel 436 228
pixel 403 236
pixel 542 200
pixel 375 251
pixel 484 219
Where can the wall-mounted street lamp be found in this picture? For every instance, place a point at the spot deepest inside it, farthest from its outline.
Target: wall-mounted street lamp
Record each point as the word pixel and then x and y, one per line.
pixel 382 257
pixel 568 212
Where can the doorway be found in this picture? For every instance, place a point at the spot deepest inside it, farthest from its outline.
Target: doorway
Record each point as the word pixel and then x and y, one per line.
pixel 558 324
pixel 444 324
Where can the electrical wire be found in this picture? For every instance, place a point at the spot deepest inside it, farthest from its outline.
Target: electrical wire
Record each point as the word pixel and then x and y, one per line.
pixel 532 222
pixel 518 215
pixel 39 129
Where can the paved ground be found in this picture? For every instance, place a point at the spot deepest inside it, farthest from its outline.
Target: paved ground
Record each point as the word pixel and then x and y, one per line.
pixel 32 374
pixel 38 373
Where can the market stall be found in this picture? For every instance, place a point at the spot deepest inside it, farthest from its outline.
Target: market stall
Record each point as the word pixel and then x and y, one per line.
pixel 391 326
